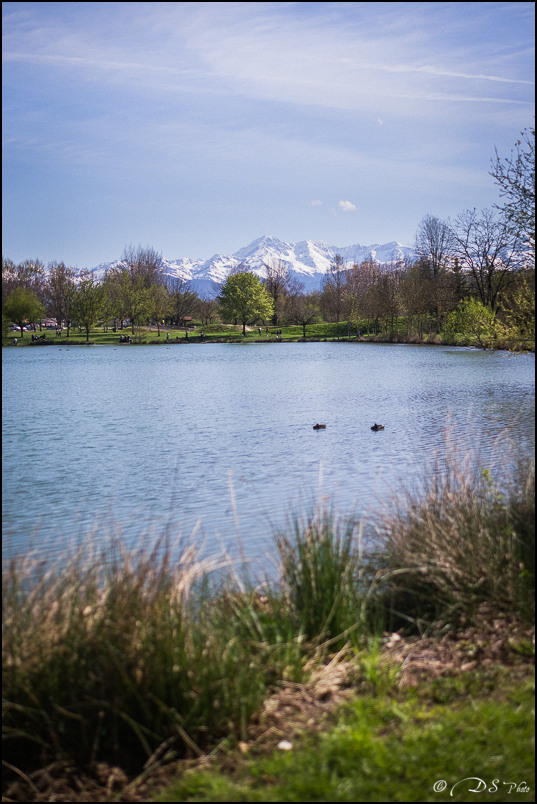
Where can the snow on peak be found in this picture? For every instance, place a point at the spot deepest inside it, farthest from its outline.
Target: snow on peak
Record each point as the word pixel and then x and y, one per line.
pixel 309 261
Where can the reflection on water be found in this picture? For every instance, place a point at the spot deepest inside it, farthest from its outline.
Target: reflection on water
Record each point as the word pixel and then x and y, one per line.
pixel 149 440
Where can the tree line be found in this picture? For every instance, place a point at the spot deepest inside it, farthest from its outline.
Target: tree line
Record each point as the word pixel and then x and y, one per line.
pixel 474 275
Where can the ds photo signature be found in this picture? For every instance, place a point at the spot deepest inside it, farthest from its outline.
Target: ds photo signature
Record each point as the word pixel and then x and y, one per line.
pixel 474 784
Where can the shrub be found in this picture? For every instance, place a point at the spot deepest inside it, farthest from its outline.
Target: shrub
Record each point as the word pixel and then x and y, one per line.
pixel 463 544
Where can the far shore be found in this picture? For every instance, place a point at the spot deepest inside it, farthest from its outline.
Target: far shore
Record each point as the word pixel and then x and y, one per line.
pixel 149 336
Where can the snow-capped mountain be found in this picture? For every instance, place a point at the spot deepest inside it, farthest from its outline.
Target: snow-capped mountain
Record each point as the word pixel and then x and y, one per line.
pixel 308 261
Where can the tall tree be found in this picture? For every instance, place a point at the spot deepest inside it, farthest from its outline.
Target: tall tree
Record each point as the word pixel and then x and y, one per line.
pixel 414 296
pixel 244 298
pixel 159 304
pixel 59 292
pixel 145 264
pixel 333 289
pixel 360 283
pixel 29 274
pixel 485 248
pixel 22 307
pixel 277 282
pixel 207 309
pixel 303 308
pixel 183 300
pixel 435 248
pixel 515 176
pixel 134 297
pixel 87 302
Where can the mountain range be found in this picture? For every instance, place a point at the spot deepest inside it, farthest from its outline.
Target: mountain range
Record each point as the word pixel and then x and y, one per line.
pixel 308 261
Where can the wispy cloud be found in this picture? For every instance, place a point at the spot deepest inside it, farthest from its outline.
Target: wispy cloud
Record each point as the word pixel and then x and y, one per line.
pixel 246 109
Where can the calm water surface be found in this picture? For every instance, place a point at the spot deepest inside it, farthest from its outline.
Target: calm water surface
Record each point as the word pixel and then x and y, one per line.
pixel 143 441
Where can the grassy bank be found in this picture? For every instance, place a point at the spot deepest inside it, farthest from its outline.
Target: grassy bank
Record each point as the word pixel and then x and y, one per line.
pixel 389 743
pixel 229 333
pixel 128 661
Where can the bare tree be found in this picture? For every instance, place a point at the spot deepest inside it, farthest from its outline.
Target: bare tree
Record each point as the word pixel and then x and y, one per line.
pixel 436 249
pixel 388 298
pixel 360 284
pixel 276 284
pixel 207 309
pixel 183 300
pixel 144 263
pixel 29 274
pixel 333 289
pixel 515 176
pixel 59 293
pixel 303 308
pixel 486 251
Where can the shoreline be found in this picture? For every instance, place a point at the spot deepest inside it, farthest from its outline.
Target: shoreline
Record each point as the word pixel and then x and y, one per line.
pixel 196 340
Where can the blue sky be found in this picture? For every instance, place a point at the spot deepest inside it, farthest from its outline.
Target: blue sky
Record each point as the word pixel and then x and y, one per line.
pixel 195 128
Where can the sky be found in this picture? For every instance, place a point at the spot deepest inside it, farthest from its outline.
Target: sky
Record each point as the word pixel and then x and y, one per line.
pixel 195 128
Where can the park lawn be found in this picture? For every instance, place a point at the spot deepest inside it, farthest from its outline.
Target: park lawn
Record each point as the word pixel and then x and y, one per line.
pixel 213 332
pixel 232 333
pixel 392 744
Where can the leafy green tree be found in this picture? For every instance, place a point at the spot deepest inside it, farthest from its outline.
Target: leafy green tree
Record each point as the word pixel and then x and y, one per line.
pixel 87 302
pixel 516 317
pixel 159 304
pixel 472 318
pixel 139 270
pixel 22 307
pixel 134 297
pixel 5 324
pixel 244 298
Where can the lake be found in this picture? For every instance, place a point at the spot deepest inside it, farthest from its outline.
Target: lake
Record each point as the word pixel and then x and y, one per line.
pixel 142 441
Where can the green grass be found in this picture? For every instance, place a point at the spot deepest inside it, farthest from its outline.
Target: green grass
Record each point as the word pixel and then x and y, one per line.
pixel 326 331
pixel 213 332
pixel 393 747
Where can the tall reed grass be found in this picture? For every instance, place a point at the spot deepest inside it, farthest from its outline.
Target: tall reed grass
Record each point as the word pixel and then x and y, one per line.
pixel 133 657
pixel 463 542
pixel 110 660
pixel 322 573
